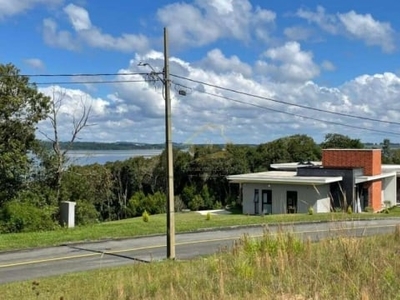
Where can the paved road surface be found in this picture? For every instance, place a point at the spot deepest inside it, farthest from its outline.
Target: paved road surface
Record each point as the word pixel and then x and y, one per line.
pixel 36 263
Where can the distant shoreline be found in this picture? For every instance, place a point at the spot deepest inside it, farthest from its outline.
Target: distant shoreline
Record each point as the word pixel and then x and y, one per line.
pixel 93 146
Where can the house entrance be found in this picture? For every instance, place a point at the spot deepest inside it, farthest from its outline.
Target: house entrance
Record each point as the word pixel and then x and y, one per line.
pixel 266 197
pixel 291 202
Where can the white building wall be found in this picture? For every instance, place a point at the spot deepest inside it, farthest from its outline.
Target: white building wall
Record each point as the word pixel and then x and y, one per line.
pixel 389 190
pixel 316 197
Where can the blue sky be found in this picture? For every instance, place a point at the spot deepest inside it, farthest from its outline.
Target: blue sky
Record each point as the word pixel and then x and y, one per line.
pixel 309 57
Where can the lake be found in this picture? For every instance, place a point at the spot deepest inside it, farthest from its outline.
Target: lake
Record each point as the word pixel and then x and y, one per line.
pixel 87 157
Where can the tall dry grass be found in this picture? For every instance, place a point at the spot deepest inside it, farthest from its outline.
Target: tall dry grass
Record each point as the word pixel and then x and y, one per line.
pixel 273 267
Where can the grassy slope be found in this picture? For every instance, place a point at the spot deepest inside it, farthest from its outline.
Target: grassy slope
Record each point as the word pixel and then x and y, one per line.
pixel 272 268
pixel 157 225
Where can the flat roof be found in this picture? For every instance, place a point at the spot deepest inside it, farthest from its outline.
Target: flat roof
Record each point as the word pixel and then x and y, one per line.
pixel 364 178
pixel 282 177
pixel 352 149
pixel 294 165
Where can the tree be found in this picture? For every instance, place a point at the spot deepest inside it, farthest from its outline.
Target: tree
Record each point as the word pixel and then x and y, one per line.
pixel 59 156
pixel 293 148
pixel 335 140
pixel 386 152
pixel 21 108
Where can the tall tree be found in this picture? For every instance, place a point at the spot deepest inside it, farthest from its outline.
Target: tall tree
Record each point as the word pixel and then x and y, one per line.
pixel 336 140
pixel 386 152
pixel 79 121
pixel 21 108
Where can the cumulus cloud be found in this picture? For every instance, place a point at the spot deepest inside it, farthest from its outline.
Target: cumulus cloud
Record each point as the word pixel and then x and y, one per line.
pixel 87 34
pixel 216 60
pixel 57 38
pixel 35 63
pixel 203 22
pixel 10 8
pixel 288 62
pixel 328 66
pixel 358 26
pixel 297 33
pixel 134 111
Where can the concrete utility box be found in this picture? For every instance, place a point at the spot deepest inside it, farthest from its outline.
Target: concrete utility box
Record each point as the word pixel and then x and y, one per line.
pixel 67 212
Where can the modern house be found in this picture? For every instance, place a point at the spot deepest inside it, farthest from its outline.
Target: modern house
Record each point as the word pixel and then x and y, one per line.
pixel 344 177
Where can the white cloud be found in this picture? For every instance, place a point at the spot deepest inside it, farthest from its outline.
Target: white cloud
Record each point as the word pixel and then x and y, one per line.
pixel 13 7
pixel 135 111
pixel 57 38
pixel 35 63
pixel 328 66
pixel 357 26
pixel 288 62
pixel 203 22
pixel 297 33
pixel 87 33
pixel 365 28
pixel 325 21
pixel 78 16
pixel 216 60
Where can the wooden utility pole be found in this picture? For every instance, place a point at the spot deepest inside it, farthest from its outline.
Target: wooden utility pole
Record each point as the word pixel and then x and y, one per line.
pixel 169 149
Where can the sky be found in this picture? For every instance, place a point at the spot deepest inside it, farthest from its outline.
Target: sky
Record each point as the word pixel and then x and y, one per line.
pixel 252 71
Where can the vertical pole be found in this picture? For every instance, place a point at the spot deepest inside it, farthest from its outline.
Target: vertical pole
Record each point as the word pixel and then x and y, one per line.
pixel 170 169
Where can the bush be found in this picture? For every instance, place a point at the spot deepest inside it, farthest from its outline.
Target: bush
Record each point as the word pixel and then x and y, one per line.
pixel 179 205
pixel 153 204
pixel 19 216
pixel 349 210
pixel 368 209
pixel 85 213
pixel 145 216
pixel 310 210
pixel 208 216
pixel 196 203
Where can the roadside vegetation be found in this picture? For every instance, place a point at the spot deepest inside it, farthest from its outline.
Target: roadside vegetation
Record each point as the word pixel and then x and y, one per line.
pixel 273 267
pixel 185 222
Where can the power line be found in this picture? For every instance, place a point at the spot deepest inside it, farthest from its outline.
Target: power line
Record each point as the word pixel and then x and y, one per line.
pixel 301 116
pixel 287 103
pixel 77 74
pixel 90 82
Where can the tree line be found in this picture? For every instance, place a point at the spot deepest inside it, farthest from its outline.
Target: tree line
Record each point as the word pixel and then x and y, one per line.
pixel 36 178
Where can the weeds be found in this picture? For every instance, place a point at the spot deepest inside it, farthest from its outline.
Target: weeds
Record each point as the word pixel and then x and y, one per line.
pixel 276 266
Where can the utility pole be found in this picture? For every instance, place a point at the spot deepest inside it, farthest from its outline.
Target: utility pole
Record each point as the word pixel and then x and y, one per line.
pixel 169 149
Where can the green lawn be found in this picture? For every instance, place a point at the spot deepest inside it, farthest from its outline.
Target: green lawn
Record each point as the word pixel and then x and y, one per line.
pixel 184 222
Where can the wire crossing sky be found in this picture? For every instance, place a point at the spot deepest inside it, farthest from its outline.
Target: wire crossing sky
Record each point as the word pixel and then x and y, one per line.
pixel 260 70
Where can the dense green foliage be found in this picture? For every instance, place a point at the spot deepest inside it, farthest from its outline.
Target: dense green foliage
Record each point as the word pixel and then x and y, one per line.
pixel 21 108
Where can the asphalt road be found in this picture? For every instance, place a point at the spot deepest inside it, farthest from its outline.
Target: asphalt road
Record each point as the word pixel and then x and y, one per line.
pixel 35 263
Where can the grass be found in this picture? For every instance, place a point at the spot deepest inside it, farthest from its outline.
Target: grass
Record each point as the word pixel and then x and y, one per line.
pixel 273 267
pixel 184 222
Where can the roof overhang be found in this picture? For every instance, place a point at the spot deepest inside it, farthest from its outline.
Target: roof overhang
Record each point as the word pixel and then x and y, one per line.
pixel 283 177
pixel 361 179
pixel 293 166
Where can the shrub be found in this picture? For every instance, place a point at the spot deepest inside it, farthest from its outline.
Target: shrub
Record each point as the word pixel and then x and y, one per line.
pixel 196 202
pixel 349 210
pixel 208 216
pixel 153 204
pixel 19 216
pixel 85 213
pixel 310 210
pixel 217 205
pixel 368 209
pixel 179 205
pixel 145 216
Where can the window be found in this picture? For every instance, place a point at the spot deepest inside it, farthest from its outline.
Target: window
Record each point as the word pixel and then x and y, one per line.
pixel 256 201
pixel 291 202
